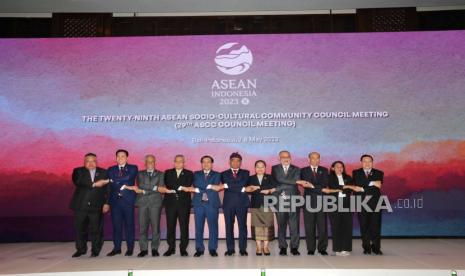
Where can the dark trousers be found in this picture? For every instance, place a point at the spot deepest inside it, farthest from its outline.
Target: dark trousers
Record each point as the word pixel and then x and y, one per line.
pixel 230 215
pixel 341 229
pixel 370 230
pixel 173 214
pixel 149 216
pixel 315 221
pixel 202 212
pixel 88 223
pixel 292 219
pixel 122 216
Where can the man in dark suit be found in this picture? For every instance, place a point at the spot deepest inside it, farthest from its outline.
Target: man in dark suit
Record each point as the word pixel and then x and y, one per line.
pixel 89 203
pixel 122 202
pixel 149 189
pixel 368 181
pixel 178 205
pixel 235 204
pixel 317 178
pixel 286 176
pixel 206 202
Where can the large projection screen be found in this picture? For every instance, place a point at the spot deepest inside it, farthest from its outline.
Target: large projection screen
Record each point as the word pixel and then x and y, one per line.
pixel 397 96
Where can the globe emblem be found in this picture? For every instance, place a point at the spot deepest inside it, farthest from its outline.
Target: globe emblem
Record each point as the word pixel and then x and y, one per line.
pixel 233 58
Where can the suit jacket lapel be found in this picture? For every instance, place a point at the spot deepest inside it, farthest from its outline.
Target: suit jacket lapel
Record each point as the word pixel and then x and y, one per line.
pixel 255 180
pixel 89 175
pixel 289 170
pixel 282 170
pixel 180 179
pixel 147 177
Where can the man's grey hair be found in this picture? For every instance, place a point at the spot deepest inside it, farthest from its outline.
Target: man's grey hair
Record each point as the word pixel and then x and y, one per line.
pixel 180 156
pixel 150 155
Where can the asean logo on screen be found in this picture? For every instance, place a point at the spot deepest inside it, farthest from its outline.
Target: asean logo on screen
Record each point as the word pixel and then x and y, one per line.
pixel 233 58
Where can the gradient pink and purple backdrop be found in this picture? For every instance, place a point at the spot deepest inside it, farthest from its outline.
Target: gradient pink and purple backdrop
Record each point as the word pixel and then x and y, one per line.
pixel 418 77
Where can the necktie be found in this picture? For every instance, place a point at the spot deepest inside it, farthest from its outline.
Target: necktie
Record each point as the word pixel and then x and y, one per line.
pixel 314 173
pixel 367 174
pixel 120 174
pixel 285 170
pixel 204 195
pixel 234 173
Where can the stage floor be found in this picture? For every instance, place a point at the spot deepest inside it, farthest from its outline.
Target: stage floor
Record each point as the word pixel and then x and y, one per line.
pixel 440 255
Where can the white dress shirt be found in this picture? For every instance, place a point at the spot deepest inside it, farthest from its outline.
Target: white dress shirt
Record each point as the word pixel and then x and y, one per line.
pixel 341 183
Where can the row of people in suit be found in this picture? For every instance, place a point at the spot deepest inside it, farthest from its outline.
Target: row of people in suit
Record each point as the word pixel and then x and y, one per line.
pixel 98 191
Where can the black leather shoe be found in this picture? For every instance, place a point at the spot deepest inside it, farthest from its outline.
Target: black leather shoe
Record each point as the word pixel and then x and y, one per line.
pixel 378 252
pixel 94 254
pixel 283 252
pixel 113 253
pixel 323 252
pixel 310 252
pixel 155 253
pixel 367 252
pixel 229 253
pixel 143 253
pixel 129 253
pixel 168 253
pixel 184 253
pixel 243 253
pixel 198 253
pixel 78 254
pixel 213 253
pixel 295 252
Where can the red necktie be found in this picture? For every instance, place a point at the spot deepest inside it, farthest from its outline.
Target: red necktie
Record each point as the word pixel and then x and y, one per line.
pixel 234 173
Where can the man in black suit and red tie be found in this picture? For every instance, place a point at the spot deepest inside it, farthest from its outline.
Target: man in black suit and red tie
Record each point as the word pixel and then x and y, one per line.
pixel 89 203
pixel 317 178
pixel 368 181
pixel 178 205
